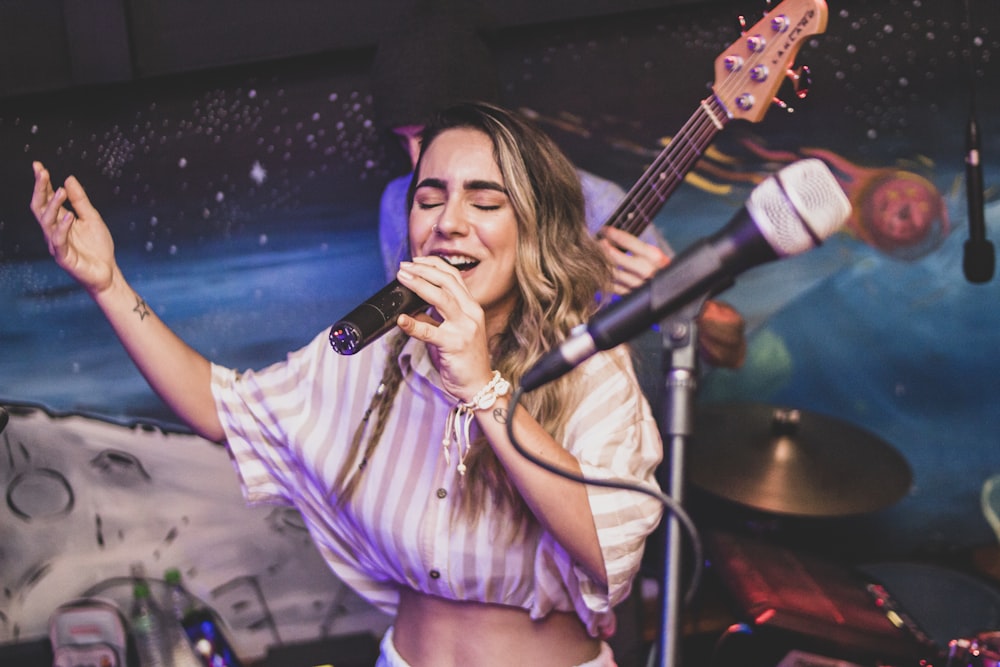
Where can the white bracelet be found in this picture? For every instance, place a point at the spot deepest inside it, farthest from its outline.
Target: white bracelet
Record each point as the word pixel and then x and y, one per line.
pixel 465 413
pixel 488 395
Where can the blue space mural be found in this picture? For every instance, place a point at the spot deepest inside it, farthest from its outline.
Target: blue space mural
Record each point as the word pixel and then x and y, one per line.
pixel 243 203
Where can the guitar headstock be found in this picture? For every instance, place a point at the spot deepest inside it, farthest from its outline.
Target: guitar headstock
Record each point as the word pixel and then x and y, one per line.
pixel 749 73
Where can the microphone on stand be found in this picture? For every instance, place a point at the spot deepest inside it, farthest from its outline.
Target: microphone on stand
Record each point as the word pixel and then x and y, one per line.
pixel 788 213
pixel 978 258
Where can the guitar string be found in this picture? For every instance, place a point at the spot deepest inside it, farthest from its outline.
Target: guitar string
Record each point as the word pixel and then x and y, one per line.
pixel 645 196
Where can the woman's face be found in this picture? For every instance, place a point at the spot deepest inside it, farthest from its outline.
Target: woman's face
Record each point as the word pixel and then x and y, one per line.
pixel 461 213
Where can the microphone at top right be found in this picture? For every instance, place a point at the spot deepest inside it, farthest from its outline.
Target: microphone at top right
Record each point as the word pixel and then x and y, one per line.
pixel 788 213
pixel 978 259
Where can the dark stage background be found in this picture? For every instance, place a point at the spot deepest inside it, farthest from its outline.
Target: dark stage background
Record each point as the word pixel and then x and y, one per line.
pixel 242 189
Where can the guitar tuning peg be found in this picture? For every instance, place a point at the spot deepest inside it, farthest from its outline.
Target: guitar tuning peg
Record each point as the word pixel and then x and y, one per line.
pixel 781 104
pixel 801 80
pixel 743 20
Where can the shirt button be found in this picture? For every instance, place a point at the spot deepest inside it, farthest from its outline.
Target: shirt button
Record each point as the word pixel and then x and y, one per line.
pixel 435 574
pixel 441 493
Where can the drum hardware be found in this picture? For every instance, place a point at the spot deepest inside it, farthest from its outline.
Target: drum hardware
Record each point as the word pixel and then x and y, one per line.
pixel 897 615
pixel 980 651
pixel 793 462
pixel 829 612
pixel 949 608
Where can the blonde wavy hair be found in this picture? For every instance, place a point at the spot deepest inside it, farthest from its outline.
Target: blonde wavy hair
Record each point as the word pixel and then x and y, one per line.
pixel 559 270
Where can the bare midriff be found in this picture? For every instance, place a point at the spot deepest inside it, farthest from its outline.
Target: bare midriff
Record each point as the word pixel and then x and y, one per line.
pixel 434 632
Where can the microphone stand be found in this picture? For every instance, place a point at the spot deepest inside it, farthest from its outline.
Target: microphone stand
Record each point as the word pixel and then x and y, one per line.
pixel 679 336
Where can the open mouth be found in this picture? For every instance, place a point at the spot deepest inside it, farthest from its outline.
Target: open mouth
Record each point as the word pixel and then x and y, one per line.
pixel 461 262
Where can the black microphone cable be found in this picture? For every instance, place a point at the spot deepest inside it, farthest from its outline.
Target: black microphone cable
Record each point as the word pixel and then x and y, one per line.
pixel 672 506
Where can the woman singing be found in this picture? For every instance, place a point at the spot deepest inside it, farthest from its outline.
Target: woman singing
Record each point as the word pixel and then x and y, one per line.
pixel 398 457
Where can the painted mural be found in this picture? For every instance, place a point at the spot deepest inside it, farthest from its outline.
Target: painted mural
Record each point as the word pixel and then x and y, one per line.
pixel 244 202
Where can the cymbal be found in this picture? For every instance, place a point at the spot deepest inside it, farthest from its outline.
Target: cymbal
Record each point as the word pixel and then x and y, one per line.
pixel 792 462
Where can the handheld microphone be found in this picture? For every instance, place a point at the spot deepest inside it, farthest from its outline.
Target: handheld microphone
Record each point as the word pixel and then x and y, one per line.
pixel 374 317
pixel 788 213
pixel 978 258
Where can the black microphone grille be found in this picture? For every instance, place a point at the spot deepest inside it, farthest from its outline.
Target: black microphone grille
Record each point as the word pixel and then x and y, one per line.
pixel 345 338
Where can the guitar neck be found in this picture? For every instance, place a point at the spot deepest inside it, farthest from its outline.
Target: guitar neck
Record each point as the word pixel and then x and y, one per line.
pixel 747 77
pixel 667 171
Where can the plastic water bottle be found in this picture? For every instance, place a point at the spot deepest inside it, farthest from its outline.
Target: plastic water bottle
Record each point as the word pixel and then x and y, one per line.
pixel 148 628
pixel 178 602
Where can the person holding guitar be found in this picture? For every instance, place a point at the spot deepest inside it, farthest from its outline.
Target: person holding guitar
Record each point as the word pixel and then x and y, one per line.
pixel 435 58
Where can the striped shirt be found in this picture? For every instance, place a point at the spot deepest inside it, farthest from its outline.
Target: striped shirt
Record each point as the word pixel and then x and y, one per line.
pixel 289 428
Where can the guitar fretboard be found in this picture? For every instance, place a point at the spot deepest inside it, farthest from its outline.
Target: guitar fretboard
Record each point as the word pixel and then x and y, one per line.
pixel 645 199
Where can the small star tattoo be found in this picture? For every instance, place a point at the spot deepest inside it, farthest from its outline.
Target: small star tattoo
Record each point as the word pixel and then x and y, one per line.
pixel 500 415
pixel 140 307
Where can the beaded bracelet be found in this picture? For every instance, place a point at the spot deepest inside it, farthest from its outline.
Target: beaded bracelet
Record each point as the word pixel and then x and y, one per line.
pixel 465 413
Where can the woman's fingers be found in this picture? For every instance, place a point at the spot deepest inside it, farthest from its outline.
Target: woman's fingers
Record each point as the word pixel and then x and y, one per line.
pixel 79 200
pixel 439 284
pixel 421 326
pixel 47 206
pixel 455 329
pixel 44 202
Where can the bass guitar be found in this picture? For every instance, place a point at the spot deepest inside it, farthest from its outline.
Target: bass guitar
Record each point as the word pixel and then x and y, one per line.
pixel 747 77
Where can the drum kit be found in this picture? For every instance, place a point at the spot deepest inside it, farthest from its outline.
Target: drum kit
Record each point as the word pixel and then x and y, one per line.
pixel 801 465
pixel 983 651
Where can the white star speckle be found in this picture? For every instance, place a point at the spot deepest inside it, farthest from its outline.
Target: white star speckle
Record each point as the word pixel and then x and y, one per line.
pixel 257 173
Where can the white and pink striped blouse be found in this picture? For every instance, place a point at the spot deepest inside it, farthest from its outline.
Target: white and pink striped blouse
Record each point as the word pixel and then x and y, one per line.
pixel 289 427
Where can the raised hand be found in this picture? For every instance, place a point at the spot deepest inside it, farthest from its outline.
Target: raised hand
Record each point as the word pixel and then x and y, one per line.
pixel 81 244
pixel 455 332
pixel 76 235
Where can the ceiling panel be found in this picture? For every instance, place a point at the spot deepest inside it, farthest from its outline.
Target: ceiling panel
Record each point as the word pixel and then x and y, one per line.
pixel 47 46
